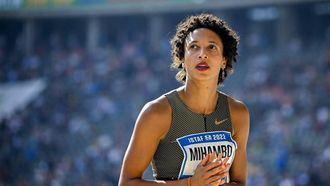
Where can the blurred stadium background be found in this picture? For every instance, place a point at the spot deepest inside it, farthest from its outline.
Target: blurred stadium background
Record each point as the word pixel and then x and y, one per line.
pixel 75 73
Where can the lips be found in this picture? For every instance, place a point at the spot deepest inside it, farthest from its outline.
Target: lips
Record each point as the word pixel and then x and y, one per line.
pixel 202 66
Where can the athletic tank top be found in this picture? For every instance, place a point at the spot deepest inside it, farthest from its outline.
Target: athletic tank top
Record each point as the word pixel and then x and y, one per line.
pixel 191 137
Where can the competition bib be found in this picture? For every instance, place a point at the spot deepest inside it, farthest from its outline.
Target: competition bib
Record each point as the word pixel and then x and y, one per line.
pixel 196 146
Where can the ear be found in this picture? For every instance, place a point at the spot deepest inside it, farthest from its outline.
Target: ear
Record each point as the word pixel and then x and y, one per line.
pixel 223 63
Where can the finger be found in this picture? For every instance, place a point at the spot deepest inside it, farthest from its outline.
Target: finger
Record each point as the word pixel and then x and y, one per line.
pixel 224 162
pixel 216 171
pixel 223 175
pixel 205 160
pixel 216 182
pixel 213 157
pixel 212 165
pixel 225 166
pixel 210 158
pixel 219 156
pixel 223 170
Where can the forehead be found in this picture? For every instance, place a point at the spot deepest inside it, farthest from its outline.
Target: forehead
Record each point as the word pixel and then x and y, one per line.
pixel 203 34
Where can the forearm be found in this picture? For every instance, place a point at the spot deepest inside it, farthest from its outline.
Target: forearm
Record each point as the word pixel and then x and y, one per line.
pixel 141 182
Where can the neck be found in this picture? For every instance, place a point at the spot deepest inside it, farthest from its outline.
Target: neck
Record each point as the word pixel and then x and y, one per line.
pixel 200 98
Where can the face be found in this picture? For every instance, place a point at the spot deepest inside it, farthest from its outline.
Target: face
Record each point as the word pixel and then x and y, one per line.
pixel 203 57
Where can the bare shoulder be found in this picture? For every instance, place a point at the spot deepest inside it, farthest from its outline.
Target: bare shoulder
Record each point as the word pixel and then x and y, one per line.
pixel 157 106
pixel 239 113
pixel 150 126
pixel 237 106
pixel 156 116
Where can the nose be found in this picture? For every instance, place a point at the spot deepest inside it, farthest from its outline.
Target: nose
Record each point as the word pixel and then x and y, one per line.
pixel 202 55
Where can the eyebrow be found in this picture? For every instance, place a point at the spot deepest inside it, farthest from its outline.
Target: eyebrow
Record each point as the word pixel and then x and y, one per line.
pixel 213 42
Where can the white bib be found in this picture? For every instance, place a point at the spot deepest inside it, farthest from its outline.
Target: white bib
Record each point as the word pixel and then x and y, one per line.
pixel 196 146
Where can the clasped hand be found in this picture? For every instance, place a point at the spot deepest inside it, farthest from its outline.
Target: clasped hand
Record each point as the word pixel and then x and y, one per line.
pixel 211 171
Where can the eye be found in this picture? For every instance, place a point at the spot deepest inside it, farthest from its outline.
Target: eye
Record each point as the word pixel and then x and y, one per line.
pixel 213 47
pixel 193 46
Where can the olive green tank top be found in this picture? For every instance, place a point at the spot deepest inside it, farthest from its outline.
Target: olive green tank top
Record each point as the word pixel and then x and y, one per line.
pixel 191 137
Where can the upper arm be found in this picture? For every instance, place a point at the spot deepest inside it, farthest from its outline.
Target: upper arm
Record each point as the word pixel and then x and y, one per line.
pixel 241 123
pixel 152 123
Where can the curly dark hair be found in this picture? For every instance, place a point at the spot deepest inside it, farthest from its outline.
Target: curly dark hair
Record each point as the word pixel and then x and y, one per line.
pixel 228 37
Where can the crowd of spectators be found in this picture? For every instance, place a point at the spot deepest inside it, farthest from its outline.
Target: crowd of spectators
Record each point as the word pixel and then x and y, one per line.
pixel 76 131
pixel 287 91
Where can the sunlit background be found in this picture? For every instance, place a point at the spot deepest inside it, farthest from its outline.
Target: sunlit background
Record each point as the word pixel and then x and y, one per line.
pixel 74 75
